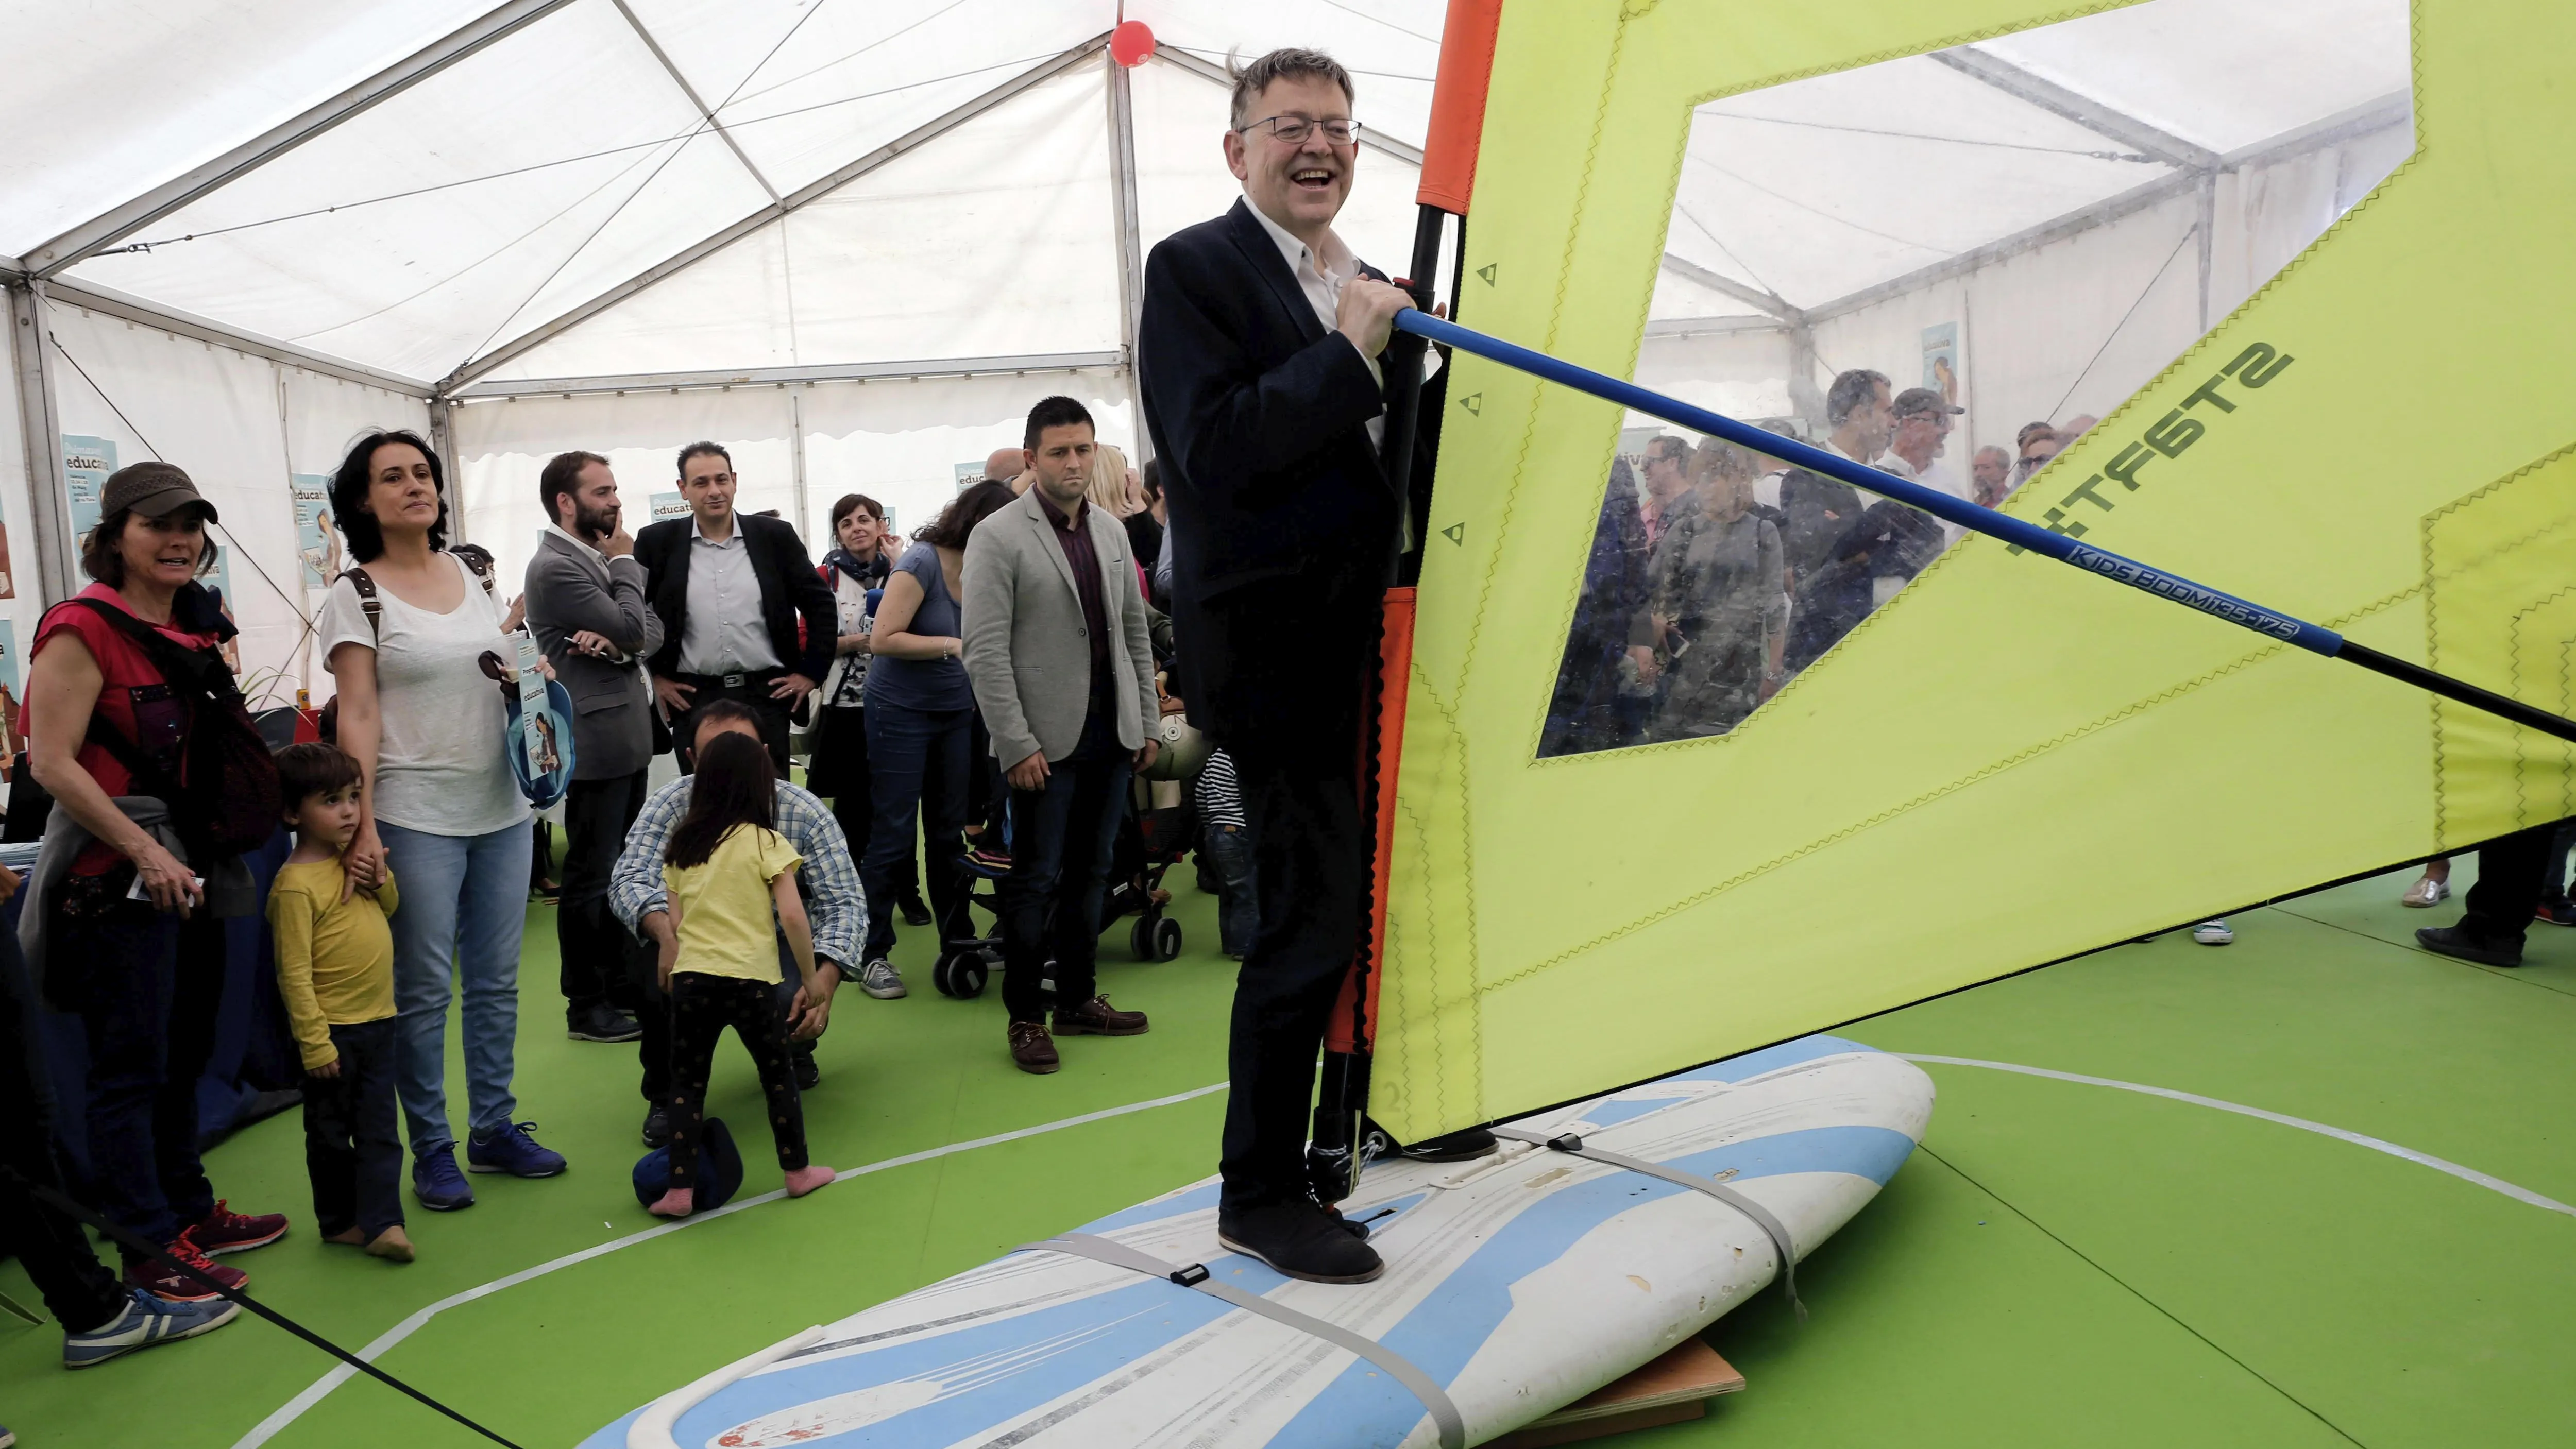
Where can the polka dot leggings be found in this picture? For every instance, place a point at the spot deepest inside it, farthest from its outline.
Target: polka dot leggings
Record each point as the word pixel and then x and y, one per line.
pixel 701 1008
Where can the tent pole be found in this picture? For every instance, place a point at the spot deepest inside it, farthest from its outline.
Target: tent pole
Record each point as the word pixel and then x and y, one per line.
pixel 40 432
pixel 442 437
pixel 796 463
pixel 1131 248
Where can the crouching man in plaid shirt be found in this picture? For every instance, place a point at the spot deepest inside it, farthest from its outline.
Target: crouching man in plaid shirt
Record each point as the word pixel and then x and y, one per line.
pixel 838 908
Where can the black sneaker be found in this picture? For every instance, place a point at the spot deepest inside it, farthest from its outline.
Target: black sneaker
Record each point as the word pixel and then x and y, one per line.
pixel 657 1128
pixel 2459 945
pixel 600 1022
pixel 1299 1239
pixel 809 1074
pixel 916 911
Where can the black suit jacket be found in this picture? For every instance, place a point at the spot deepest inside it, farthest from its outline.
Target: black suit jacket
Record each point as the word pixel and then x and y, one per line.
pixel 1283 526
pixel 789 587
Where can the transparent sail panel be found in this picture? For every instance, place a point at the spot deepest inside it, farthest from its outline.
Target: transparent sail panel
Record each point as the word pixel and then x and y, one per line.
pixel 1946 267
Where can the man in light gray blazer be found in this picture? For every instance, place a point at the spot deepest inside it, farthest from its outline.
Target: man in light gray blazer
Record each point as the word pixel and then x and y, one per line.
pixel 587 609
pixel 1057 651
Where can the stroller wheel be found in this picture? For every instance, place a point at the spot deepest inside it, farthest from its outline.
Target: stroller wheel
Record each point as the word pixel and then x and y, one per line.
pixel 960 974
pixel 1140 938
pixel 1167 938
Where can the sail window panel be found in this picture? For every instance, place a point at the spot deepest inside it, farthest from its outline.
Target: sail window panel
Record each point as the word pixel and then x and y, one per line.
pixel 994 239
pixel 410 235
pixel 1391 47
pixel 1958 237
pixel 728 310
pixel 850 78
pixel 71 158
pixel 1181 175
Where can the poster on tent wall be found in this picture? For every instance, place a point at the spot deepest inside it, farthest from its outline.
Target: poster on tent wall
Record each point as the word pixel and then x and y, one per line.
pixel 667 506
pixel 967 475
pixel 86 464
pixel 12 720
pixel 317 542
pixel 1941 360
pixel 8 579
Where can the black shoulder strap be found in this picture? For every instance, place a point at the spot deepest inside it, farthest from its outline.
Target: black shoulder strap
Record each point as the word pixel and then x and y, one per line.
pixel 479 559
pixel 120 749
pixel 368 603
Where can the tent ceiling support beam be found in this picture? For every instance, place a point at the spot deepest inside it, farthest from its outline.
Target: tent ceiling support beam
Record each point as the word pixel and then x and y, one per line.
pixel 102 232
pixel 40 432
pixel 1122 197
pixel 1210 71
pixel 788 376
pixel 2390 110
pixel 109 302
pixel 526 342
pixel 695 103
pixel 1697 275
pixel 1716 327
pixel 2083 110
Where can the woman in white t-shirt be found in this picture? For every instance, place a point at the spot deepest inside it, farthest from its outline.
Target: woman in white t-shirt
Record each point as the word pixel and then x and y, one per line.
pixel 438 802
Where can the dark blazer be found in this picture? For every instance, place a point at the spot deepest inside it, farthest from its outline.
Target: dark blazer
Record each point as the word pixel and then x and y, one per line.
pixel 1282 522
pixel 789 587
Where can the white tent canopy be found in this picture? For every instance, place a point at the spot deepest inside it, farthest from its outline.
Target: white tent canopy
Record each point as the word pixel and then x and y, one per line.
pixel 852 241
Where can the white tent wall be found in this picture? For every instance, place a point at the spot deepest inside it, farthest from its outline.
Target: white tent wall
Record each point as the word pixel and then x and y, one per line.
pixel 1743 374
pixel 322 416
pixel 899 442
pixel 17 527
pixel 225 417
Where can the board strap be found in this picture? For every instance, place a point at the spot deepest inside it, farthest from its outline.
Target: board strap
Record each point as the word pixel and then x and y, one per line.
pixel 1444 1414
pixel 1786 1245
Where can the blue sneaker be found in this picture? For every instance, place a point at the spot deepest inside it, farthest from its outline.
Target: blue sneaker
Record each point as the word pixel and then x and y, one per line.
pixel 144 1322
pixel 437 1183
pixel 513 1150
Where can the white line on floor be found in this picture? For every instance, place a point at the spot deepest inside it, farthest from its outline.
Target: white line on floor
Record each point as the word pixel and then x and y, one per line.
pixel 294 1408
pixel 2465 1174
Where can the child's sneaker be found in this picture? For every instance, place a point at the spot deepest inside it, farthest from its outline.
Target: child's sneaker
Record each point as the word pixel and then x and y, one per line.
pixel 513 1150
pixel 145 1321
pixel 226 1231
pixel 176 1287
pixel 2556 913
pixel 2212 933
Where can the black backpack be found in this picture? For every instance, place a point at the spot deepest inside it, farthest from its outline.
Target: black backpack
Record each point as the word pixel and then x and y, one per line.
pixel 227 803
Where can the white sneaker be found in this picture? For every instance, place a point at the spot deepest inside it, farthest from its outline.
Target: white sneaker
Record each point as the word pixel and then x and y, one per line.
pixel 2426 892
pixel 879 979
pixel 2212 933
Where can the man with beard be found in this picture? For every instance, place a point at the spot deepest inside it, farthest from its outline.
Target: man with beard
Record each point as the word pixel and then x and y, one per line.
pixel 587 608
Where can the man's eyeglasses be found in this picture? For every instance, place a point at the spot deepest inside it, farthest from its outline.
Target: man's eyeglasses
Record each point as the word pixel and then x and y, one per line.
pixel 1296 129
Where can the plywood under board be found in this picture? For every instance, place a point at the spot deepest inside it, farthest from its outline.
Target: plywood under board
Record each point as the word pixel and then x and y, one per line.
pixel 1673 1388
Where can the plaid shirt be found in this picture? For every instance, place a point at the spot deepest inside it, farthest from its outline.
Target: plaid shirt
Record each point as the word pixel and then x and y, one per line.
pixel 831 882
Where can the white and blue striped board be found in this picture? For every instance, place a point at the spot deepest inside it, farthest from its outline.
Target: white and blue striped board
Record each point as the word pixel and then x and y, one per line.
pixel 1519 1283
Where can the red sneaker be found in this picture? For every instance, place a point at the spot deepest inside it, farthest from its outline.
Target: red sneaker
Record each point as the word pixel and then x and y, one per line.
pixel 179 1287
pixel 226 1231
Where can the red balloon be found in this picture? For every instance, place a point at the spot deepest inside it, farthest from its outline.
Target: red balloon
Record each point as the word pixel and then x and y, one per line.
pixel 1131 44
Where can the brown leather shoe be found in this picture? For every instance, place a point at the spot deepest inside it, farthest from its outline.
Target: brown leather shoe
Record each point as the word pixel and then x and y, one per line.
pixel 1032 1048
pixel 1097 1017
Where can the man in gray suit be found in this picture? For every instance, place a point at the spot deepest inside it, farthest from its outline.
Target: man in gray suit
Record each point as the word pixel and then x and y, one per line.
pixel 1054 629
pixel 587 608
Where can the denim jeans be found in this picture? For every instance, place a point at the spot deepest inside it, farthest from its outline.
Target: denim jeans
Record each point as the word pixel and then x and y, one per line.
pixel 1062 836
pixel 916 760
pixel 1229 856
pixel 147 1010
pixel 464 906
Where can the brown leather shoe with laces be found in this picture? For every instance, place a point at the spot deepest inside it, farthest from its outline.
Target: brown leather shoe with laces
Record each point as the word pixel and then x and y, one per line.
pixel 1032 1048
pixel 1097 1017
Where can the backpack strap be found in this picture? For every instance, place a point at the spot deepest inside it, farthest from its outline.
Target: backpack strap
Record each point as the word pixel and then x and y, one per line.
pixel 368 603
pixel 479 559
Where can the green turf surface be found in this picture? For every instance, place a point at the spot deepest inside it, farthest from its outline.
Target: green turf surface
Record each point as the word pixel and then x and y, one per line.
pixel 2063 1264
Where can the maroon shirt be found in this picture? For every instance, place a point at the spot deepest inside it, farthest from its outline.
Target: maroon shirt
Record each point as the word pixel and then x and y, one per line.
pixel 1075 538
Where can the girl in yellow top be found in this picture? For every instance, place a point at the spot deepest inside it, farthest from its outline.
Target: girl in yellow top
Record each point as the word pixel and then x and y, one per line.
pixel 724 871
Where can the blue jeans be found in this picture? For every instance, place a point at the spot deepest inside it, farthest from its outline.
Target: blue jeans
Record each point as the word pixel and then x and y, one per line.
pixel 916 760
pixel 456 934
pixel 1062 836
pixel 1229 857
pixel 148 1012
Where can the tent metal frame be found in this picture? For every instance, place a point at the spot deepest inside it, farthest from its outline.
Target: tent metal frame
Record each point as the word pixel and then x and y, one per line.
pixel 696 103
pixel 749 377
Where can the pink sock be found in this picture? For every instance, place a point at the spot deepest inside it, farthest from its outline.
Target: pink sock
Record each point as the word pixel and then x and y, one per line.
pixel 679 1202
pixel 805 1179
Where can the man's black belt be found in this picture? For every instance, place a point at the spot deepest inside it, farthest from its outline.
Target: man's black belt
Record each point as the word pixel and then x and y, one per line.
pixel 745 679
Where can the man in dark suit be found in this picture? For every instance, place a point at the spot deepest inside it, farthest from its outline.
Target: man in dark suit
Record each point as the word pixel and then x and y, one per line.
pixel 585 595
pixel 1258 353
pixel 729 589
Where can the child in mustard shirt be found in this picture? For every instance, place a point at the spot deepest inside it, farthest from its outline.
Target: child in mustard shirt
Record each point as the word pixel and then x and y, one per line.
pixel 724 873
pixel 335 967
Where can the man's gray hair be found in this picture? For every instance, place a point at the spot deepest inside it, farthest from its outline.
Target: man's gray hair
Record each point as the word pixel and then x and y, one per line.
pixel 1851 392
pixel 1251 80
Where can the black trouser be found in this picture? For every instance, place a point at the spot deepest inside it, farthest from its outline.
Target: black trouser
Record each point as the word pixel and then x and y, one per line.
pixel 653 1014
pixel 53 1249
pixel 752 689
pixel 1310 853
pixel 593 945
pixel 2511 879
pixel 1062 837
pixel 701 1008
pixel 149 989
pixel 353 1149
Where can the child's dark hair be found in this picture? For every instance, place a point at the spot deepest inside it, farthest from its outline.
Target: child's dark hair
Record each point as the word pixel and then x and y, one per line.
pixel 307 770
pixel 734 785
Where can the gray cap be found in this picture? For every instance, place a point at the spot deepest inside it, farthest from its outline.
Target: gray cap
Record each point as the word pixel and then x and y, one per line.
pixel 154 490
pixel 1917 400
